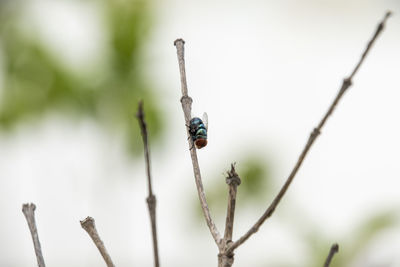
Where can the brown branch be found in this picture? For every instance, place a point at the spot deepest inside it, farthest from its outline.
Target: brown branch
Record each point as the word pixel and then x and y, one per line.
pixel 151 199
pixel 233 181
pixel 187 108
pixel 29 212
pixel 334 249
pixel 226 259
pixel 89 226
pixel 347 82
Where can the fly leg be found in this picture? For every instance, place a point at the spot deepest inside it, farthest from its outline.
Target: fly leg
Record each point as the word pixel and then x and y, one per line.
pixel 190 136
pixel 191 147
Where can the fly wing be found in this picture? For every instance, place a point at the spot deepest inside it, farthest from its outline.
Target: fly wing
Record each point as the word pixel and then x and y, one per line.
pixel 205 120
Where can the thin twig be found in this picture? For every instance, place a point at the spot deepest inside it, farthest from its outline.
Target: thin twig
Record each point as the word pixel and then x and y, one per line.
pixel 89 226
pixel 347 82
pixel 233 181
pixel 151 199
pixel 334 249
pixel 29 212
pixel 187 108
pixel 226 259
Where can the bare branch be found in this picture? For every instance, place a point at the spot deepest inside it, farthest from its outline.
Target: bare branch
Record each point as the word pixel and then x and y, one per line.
pixel 226 258
pixel 29 212
pixel 334 249
pixel 347 82
pixel 89 226
pixel 151 199
pixel 180 49
pixel 378 30
pixel 233 181
pixel 187 108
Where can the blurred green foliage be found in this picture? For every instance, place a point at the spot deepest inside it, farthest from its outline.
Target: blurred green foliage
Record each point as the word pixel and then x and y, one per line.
pixel 256 184
pixel 354 244
pixel 36 82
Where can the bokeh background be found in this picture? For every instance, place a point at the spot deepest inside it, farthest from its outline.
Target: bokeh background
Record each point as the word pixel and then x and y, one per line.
pixel 72 73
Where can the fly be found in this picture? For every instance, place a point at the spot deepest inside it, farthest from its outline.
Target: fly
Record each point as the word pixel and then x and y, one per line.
pixel 198 130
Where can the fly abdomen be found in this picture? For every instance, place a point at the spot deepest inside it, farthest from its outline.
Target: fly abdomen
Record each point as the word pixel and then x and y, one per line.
pixel 198 132
pixel 201 132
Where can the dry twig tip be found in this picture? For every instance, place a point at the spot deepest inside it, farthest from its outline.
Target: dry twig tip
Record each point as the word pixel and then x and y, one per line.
pixel 334 249
pixel 89 226
pixel 29 212
pixel 233 181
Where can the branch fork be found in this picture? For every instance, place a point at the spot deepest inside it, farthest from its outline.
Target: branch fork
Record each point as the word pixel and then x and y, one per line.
pixel 226 245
